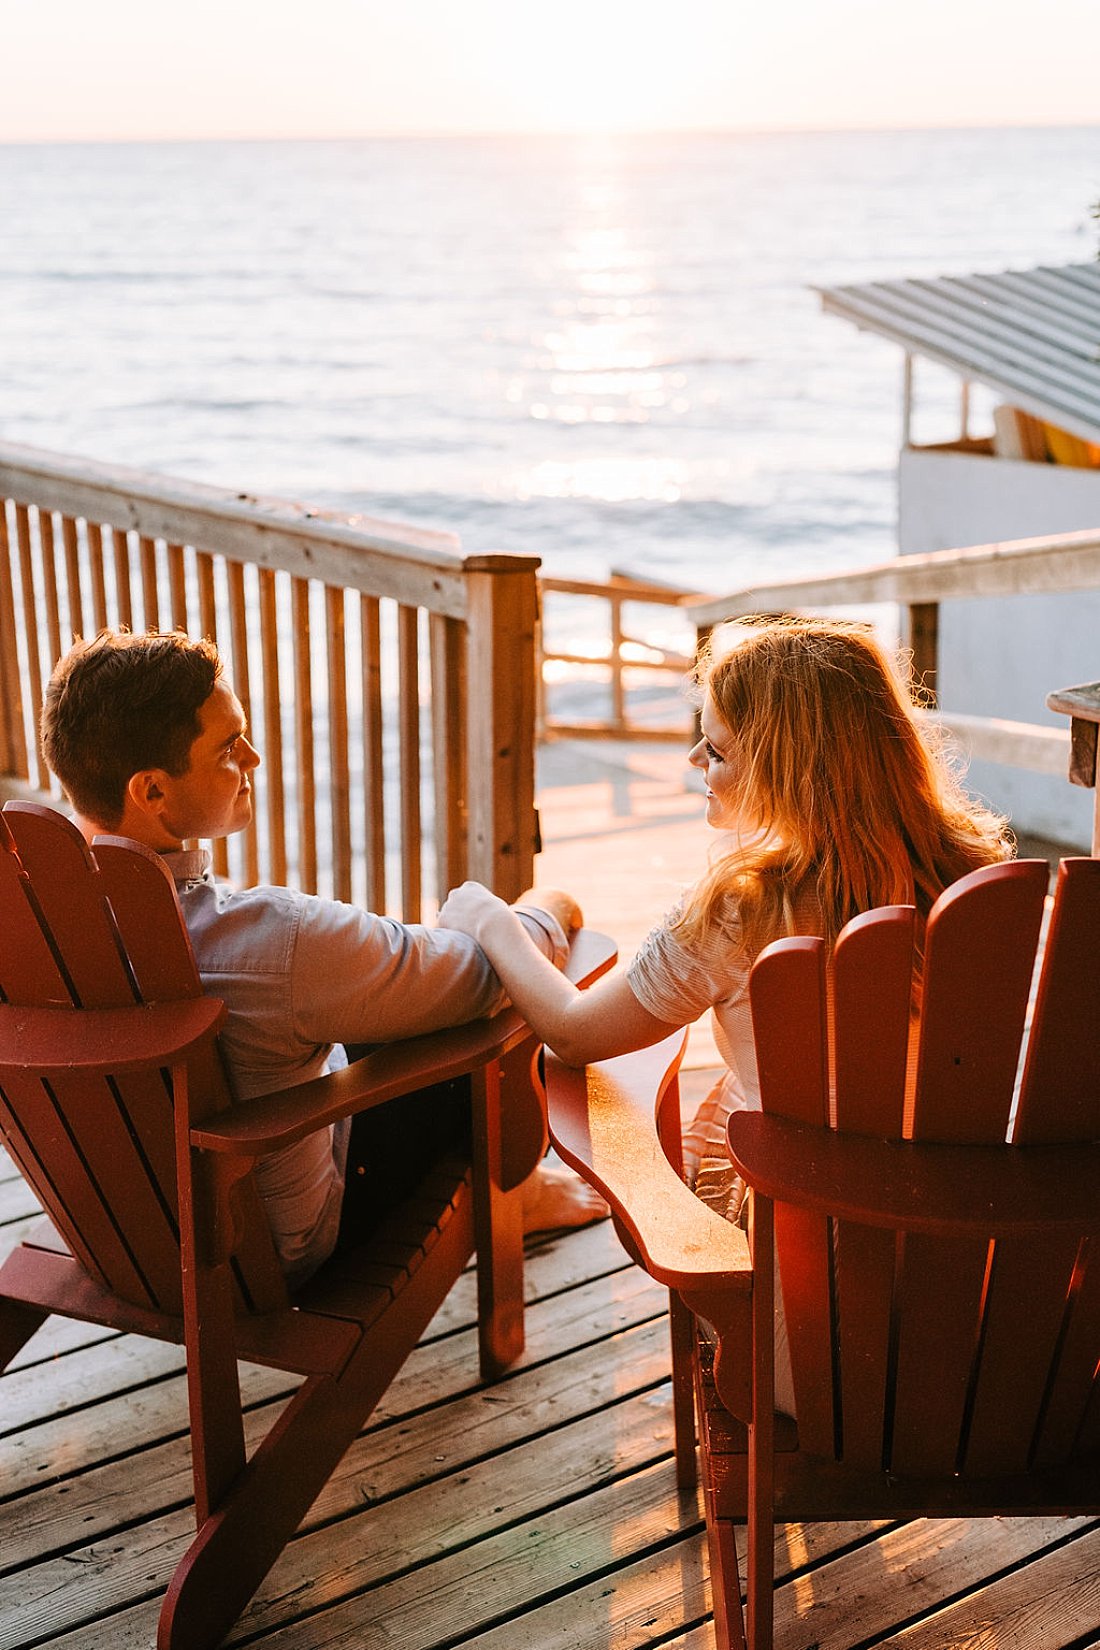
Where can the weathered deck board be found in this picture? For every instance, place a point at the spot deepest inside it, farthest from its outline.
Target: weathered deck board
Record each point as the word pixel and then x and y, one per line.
pixel 539 1514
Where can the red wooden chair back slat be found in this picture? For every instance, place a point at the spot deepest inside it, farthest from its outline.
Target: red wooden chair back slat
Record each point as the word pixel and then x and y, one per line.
pixel 28 969
pixel 1071 1416
pixel 790 1029
pixel 1060 1091
pixel 148 917
pixel 68 1189
pixel 1025 1312
pixel 872 973
pixel 69 896
pixel 979 959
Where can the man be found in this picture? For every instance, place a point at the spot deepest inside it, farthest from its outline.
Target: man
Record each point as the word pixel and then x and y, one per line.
pixel 150 742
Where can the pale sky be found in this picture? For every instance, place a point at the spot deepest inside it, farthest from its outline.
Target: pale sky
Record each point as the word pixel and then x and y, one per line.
pixel 110 69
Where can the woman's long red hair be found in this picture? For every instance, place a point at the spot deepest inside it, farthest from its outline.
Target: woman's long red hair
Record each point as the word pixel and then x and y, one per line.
pixel 839 785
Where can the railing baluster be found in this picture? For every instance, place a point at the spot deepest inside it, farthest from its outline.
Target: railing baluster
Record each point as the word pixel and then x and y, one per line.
pixel 13 740
pixel 30 637
pixel 303 730
pixel 273 729
pixel 71 542
pixel 618 696
pixel 150 596
pixel 208 611
pixel 97 562
pixel 208 624
pixel 242 682
pixel 49 581
pixel 408 722
pixel 124 606
pixel 447 638
pixel 177 584
pixel 374 814
pixel 339 772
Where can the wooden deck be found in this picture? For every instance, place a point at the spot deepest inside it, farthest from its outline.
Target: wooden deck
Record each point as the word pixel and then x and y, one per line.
pixel 537 1514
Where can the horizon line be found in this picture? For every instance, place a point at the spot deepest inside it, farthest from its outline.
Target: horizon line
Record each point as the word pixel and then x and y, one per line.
pixel 535 134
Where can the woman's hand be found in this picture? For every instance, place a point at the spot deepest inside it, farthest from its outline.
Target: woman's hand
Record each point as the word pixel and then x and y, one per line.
pixel 469 909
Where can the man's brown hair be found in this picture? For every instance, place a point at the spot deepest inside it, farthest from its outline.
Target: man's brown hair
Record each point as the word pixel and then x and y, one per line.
pixel 122 703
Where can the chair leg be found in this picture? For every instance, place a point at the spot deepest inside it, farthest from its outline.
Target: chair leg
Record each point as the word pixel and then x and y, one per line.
pixel 17 1324
pixel 245 1533
pixel 498 1233
pixel 681 1324
pixel 725 1582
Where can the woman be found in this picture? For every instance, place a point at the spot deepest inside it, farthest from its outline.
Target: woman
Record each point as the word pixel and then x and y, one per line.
pixel 832 799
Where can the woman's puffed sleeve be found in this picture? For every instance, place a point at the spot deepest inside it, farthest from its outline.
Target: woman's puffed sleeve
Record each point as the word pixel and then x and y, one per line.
pixel 677 982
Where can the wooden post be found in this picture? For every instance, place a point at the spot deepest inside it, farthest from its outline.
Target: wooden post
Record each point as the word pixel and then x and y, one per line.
pixel 500 724
pixel 923 641
pixel 618 694
pixel 1082 706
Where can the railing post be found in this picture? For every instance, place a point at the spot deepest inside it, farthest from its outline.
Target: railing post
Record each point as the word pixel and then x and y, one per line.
pixel 500 722
pixel 923 641
pixel 618 693
pixel 1082 706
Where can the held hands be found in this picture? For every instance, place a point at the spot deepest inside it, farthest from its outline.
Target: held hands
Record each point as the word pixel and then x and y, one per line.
pixel 472 908
pixel 469 909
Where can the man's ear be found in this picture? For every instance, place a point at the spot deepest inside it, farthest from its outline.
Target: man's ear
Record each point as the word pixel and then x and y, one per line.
pixel 145 792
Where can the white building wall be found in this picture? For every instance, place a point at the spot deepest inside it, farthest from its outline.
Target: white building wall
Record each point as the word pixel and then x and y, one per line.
pixel 1001 656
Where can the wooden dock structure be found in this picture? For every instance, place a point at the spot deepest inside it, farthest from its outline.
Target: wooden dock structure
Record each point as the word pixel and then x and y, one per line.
pixel 540 1513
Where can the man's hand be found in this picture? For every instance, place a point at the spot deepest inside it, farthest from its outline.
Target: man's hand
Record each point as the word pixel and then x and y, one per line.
pixel 558 903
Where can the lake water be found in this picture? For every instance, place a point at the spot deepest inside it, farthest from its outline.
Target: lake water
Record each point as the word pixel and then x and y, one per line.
pixel 606 351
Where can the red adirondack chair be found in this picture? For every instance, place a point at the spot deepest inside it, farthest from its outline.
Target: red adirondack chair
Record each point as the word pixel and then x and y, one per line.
pixel 936 1224
pixel 114 1104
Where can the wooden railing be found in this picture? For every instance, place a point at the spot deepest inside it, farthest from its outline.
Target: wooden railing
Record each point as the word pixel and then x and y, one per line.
pixel 624 656
pixel 918 583
pixel 357 648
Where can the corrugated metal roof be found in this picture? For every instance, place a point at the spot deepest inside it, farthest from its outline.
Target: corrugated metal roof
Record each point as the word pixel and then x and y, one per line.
pixel 1032 335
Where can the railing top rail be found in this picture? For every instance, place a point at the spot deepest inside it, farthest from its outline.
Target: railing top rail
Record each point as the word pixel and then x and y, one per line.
pixel 413 565
pixel 1067 561
pixel 623 587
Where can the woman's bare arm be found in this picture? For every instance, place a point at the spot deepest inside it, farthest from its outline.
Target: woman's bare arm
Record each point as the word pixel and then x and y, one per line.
pixel 580 1026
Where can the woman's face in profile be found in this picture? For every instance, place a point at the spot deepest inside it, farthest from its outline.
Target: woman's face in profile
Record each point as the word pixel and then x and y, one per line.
pixel 716 758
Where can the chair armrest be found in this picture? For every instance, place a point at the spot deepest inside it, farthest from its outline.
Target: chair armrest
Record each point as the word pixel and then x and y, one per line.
pixel 272 1121
pixel 920 1186
pixel 603 1123
pixel 105 1039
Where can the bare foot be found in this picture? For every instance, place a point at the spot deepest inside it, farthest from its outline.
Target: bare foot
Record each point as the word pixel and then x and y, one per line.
pixel 554 1198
